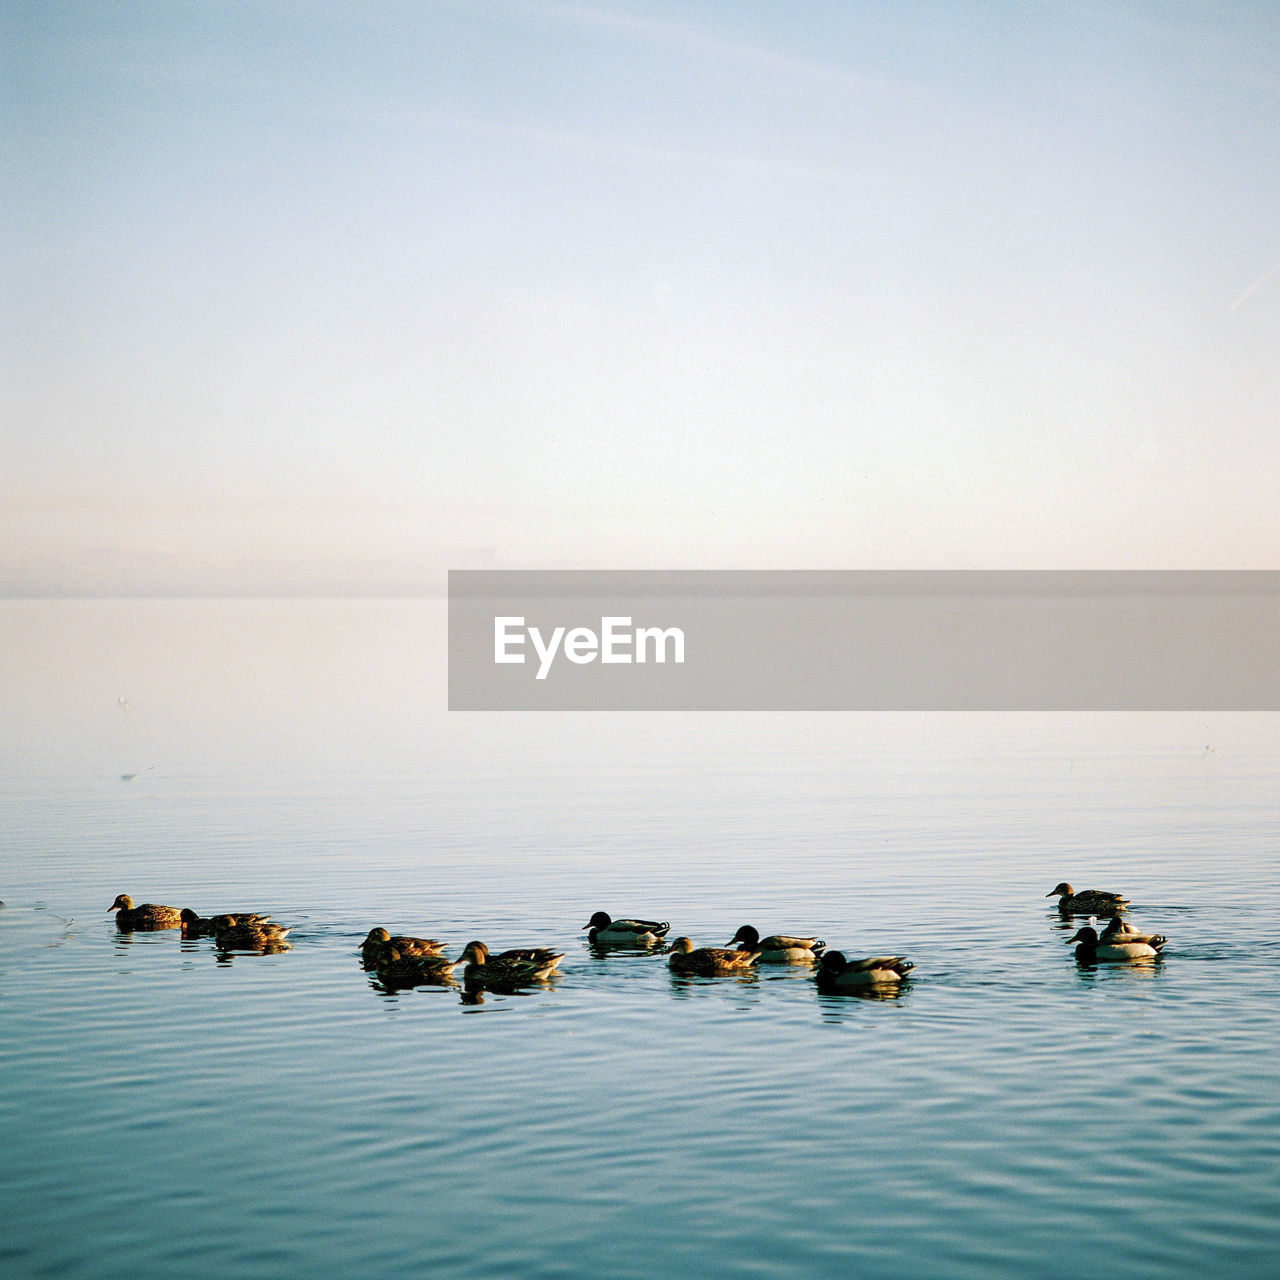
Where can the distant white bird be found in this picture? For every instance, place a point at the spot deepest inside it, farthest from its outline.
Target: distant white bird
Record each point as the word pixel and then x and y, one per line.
pixel 129 777
pixel 123 704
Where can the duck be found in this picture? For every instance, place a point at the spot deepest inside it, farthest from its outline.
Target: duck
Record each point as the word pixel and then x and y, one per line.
pixel 1088 902
pixel 708 962
pixel 379 941
pixel 397 968
pixel 264 935
pixel 148 916
pixel 605 932
pixel 1121 931
pixel 836 973
pixel 778 948
pixel 508 968
pixel 1092 949
pixel 195 926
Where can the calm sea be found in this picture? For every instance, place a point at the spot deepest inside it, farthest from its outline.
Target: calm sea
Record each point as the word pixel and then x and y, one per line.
pixel 1009 1114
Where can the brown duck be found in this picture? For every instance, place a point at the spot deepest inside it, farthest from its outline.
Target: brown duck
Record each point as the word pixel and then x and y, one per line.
pixel 146 917
pixel 265 935
pixel 195 926
pixel 380 941
pixel 511 968
pixel 708 962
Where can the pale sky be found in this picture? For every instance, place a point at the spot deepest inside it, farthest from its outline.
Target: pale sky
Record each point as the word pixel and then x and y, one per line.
pixel 310 296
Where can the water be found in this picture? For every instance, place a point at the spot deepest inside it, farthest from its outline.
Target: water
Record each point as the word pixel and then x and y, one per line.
pixel 1007 1115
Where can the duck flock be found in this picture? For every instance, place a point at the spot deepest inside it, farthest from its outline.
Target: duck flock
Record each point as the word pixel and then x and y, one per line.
pixel 401 961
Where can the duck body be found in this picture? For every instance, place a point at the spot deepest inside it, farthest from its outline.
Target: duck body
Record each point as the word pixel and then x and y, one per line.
pixel 778 948
pixel 603 931
pixel 1088 902
pixel 836 973
pixel 1119 931
pixel 240 935
pixel 414 969
pixel 195 926
pixel 380 941
pixel 514 968
pixel 147 917
pixel 1093 950
pixel 708 962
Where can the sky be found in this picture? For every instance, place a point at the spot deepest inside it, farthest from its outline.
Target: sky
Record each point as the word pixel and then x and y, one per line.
pixel 327 297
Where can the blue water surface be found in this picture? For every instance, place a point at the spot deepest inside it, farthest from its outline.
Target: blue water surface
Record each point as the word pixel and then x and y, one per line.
pixel 1007 1114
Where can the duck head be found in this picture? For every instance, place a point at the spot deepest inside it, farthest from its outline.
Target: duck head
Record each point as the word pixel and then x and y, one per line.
pixel 122 903
pixel 601 920
pixel 1064 890
pixel 748 934
pixel 1087 936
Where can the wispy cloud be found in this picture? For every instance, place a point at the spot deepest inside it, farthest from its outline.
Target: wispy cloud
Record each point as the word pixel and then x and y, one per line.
pixel 692 38
pixel 743 163
pixel 1256 285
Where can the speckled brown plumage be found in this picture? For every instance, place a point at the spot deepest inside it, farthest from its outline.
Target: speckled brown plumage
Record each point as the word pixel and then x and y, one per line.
pixel 511 968
pixel 708 962
pixel 147 917
pixel 379 941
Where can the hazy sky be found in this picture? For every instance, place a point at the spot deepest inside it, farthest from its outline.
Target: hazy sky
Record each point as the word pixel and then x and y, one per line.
pixel 307 293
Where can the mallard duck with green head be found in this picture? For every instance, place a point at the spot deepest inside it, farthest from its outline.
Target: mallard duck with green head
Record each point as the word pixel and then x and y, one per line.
pixel 147 917
pixel 835 973
pixel 1092 949
pixel 778 948
pixel 603 931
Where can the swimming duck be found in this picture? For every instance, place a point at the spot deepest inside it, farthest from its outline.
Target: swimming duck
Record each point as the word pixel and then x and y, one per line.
pixel 708 962
pixel 1092 949
pixel 264 935
pixel 604 932
pixel 194 926
pixel 1121 931
pixel 413 969
pixel 508 968
pixel 148 916
pixel 835 972
pixel 379 941
pixel 1088 902
pixel 778 948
